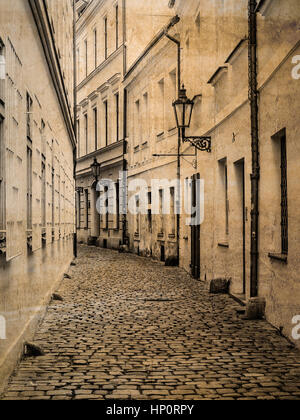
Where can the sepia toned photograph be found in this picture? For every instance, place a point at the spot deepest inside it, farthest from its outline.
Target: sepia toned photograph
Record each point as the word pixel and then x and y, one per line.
pixel 149 202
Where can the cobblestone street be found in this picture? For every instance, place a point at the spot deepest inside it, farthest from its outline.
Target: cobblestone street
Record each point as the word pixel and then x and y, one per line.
pixel 131 328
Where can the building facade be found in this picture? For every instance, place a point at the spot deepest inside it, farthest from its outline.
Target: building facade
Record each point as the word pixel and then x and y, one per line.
pixel 36 164
pixel 151 86
pixel 216 64
pixel 214 67
pixel 242 69
pixel 100 68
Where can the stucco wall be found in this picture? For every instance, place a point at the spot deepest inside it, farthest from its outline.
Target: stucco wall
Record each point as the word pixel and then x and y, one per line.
pixel 28 279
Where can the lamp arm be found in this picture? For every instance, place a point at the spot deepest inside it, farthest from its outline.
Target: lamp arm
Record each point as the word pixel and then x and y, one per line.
pixel 197 96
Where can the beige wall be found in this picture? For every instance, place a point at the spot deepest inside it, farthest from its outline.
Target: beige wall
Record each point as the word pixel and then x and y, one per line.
pixel 151 130
pixel 224 114
pixel 209 32
pixel 27 277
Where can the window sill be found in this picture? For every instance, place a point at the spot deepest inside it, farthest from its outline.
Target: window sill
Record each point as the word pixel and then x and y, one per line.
pixel 278 256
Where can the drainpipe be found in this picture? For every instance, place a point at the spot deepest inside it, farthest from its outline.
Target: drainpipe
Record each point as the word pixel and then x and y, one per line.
pixel 179 140
pixel 75 121
pixel 253 97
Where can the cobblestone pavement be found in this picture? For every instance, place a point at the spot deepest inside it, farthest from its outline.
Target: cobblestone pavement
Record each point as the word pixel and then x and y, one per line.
pixel 131 328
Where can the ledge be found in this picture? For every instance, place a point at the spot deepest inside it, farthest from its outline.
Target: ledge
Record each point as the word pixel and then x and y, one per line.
pixel 223 244
pixel 235 51
pixel 278 256
pixel 217 74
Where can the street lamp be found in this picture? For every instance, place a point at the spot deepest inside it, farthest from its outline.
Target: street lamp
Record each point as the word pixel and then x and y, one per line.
pixel 183 109
pixel 95 167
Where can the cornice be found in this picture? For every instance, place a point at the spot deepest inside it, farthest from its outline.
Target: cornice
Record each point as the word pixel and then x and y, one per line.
pixel 100 67
pixel 42 21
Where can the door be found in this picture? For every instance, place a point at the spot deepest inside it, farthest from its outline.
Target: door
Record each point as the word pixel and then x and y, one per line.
pixel 241 223
pixel 195 231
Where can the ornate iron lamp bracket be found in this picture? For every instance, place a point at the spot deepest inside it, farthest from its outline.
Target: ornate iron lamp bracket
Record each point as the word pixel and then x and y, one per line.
pixel 202 143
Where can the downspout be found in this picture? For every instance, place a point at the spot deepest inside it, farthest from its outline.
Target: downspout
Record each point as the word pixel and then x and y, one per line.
pixel 253 97
pixel 75 122
pixel 179 142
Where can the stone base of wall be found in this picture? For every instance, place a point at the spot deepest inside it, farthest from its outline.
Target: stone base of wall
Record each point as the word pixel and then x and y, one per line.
pixel 14 349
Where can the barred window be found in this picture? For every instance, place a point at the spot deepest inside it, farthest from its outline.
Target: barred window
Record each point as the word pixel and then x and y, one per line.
pixel 28 114
pixel 284 197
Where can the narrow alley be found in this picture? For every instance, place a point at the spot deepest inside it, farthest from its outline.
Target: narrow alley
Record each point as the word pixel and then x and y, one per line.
pixel 131 328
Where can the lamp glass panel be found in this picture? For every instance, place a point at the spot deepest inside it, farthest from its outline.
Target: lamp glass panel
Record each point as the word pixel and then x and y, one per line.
pixel 180 114
pixel 189 111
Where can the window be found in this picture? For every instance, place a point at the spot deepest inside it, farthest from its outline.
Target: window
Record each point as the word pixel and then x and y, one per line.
pixel 43 191
pixel 29 188
pixel 117 116
pixel 172 210
pixel 149 221
pixel 105 38
pixel 280 198
pixel 223 196
pixel 106 204
pixel 86 196
pixel 137 123
pixel 161 108
pixel 95 48
pixel 161 196
pixel 198 23
pixel 86 57
pixel 78 137
pixel 53 198
pixel 43 139
pixel 106 122
pixel 226 199
pixel 2 70
pixel 137 220
pixel 78 64
pixel 28 115
pixel 96 128
pixel 117 27
pixel 172 98
pixel 78 209
pixel 146 117
pixel 86 133
pixel 284 197
pixel 117 205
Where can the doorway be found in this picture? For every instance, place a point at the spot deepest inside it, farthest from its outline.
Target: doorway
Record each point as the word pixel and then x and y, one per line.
pixel 241 221
pixel 195 232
